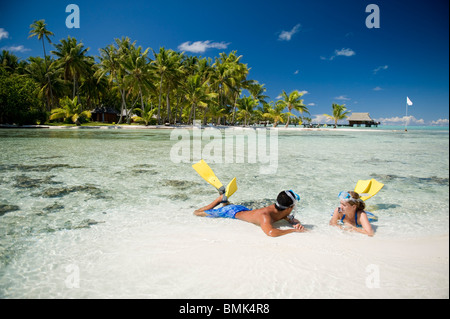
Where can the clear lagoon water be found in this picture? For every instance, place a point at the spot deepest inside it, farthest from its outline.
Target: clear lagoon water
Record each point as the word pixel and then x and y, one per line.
pixel 104 213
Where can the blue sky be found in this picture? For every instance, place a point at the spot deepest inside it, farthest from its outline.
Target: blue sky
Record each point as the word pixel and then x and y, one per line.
pixel 323 48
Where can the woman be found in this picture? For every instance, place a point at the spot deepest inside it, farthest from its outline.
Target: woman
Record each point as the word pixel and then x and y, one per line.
pixel 351 214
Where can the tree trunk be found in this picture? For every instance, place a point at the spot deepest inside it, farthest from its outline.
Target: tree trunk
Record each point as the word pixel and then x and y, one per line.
pixel 168 104
pixel 287 123
pixel 122 106
pixel 159 104
pixel 49 107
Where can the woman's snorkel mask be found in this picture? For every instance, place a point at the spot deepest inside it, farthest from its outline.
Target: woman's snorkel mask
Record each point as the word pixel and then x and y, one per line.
pixel 345 196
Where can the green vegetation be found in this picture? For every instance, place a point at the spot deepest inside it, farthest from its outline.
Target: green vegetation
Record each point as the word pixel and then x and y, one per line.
pixel 143 86
pixel 70 110
pixel 339 113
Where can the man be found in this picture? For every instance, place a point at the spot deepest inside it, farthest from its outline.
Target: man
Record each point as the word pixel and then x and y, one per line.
pixel 264 217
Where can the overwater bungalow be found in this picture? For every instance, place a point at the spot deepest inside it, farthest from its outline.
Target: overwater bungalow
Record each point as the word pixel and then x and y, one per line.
pixel 359 119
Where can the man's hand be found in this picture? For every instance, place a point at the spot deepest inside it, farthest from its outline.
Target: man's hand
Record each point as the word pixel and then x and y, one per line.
pixel 299 227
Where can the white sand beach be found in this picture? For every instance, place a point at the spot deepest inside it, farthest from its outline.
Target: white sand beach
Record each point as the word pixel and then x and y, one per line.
pixel 315 266
pixel 232 260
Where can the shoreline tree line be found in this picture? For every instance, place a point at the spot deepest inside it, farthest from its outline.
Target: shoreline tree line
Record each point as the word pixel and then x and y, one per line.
pixel 143 86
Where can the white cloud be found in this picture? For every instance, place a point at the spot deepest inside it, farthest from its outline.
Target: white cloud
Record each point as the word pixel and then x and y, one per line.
pixel 383 67
pixel 296 72
pixel 322 119
pixel 344 52
pixel 201 46
pixel 3 34
pixel 342 98
pixel 341 52
pixel 18 48
pixel 442 122
pixel 287 35
pixel 410 120
pixel 311 104
pixel 377 88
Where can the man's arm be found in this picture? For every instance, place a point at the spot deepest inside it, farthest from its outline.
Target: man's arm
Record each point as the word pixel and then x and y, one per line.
pixel 269 230
pixel 295 223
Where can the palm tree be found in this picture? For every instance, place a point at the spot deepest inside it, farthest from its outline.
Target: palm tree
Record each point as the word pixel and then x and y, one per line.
pixel 222 80
pixel 275 113
pixel 246 106
pixel 93 87
pixel 339 113
pixel 49 78
pixel 165 64
pixel 39 29
pixel 111 66
pixel 146 115
pixel 257 91
pixel 173 79
pixel 9 61
pixel 238 79
pixel 70 109
pixel 73 59
pixel 196 92
pixel 292 101
pixel 215 112
pixel 138 77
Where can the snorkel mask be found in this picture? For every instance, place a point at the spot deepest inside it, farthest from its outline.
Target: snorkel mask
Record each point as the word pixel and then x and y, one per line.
pixel 344 196
pixel 295 199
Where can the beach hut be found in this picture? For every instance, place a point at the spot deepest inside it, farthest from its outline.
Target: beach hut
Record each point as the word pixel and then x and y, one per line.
pixel 359 119
pixel 105 115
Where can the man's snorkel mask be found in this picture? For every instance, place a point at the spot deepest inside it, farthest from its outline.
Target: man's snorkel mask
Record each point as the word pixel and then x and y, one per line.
pixel 295 199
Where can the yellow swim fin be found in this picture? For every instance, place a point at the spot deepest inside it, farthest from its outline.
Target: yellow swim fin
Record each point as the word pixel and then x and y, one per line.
pixel 231 188
pixel 208 175
pixel 362 186
pixel 374 188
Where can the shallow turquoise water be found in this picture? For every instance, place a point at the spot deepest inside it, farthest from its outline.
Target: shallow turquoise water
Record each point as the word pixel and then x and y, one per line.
pixel 73 196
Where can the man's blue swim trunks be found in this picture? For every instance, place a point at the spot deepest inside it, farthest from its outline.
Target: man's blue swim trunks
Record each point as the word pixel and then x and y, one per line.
pixel 228 211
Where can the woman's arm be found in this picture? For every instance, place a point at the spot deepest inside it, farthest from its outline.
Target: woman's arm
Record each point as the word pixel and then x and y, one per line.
pixel 335 217
pixel 366 227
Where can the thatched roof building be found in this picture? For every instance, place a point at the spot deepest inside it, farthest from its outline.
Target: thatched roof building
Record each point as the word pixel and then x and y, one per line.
pixel 361 118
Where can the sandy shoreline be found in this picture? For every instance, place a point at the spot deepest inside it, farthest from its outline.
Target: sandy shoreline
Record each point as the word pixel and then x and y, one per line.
pixel 317 266
pixel 239 262
pixel 170 127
